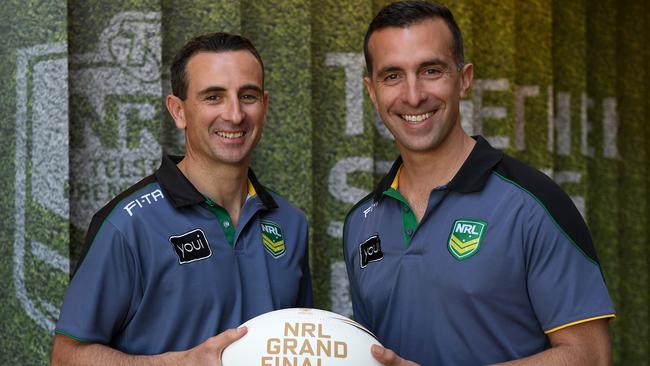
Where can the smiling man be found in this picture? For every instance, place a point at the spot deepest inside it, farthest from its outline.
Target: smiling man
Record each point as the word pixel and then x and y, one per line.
pixel 198 247
pixel 463 255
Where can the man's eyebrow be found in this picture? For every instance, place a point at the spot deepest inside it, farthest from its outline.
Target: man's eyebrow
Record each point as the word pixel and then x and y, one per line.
pixel 253 87
pixel 218 88
pixel 434 62
pixel 388 68
pixel 212 89
pixel 431 62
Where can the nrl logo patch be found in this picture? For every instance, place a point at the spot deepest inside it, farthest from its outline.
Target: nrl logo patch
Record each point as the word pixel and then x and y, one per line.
pixel 465 238
pixel 272 238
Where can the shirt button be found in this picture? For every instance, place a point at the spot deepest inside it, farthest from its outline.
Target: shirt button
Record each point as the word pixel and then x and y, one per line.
pixel 409 232
pixel 226 224
pixel 406 208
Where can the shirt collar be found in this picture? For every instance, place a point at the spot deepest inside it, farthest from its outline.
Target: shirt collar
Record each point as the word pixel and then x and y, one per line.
pixel 395 183
pixel 471 176
pixel 181 192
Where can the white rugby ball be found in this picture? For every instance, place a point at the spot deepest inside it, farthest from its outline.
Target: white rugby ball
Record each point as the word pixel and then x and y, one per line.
pixel 302 337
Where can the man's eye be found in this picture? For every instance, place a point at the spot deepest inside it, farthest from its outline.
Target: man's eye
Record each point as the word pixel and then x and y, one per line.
pixel 433 72
pixel 391 77
pixel 212 98
pixel 249 98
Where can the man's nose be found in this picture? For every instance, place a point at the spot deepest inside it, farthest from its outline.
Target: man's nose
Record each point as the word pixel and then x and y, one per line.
pixel 414 93
pixel 233 112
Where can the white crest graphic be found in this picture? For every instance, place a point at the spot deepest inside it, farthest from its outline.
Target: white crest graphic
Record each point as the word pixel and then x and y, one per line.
pixel 124 74
pixel 127 65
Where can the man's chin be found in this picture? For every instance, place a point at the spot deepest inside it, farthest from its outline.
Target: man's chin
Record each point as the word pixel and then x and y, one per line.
pixel 232 158
pixel 420 146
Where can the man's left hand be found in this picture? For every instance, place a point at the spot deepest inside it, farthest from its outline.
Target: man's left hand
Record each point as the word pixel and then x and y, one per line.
pixel 389 358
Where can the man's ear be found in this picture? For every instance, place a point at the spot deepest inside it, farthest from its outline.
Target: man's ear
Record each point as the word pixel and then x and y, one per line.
pixel 466 77
pixel 176 108
pixel 371 90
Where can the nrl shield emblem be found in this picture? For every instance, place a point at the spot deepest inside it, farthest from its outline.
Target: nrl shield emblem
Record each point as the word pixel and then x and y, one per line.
pixel 465 238
pixel 272 238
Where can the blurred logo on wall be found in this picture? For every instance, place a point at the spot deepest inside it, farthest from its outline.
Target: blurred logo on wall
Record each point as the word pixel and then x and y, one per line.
pixel 87 127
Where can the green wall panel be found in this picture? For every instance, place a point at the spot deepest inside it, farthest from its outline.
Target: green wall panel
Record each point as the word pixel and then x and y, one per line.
pixel 632 235
pixel 602 210
pixel 533 114
pixel 34 212
pixel 647 154
pixel 184 20
pixel 493 55
pixel 342 138
pixel 570 81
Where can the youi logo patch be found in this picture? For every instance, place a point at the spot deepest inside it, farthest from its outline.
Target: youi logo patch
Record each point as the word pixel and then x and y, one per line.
pixel 191 246
pixel 370 251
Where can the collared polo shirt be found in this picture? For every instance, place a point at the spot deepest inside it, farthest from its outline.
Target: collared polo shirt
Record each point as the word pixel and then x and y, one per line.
pixel 500 258
pixel 165 269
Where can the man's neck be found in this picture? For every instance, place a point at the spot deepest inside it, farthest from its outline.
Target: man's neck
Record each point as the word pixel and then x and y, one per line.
pixel 437 167
pixel 423 171
pixel 225 184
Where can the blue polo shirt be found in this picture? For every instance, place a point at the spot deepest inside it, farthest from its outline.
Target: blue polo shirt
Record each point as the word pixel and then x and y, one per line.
pixel 165 269
pixel 500 259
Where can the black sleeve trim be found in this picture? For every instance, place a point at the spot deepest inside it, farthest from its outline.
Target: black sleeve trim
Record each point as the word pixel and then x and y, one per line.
pixel 101 215
pixel 553 199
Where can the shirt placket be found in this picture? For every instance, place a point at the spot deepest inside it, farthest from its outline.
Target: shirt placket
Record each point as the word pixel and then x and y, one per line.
pixel 225 222
pixel 409 221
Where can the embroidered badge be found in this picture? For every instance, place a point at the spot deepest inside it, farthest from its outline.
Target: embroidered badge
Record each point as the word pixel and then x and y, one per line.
pixel 272 238
pixel 465 238
pixel 191 246
pixel 370 251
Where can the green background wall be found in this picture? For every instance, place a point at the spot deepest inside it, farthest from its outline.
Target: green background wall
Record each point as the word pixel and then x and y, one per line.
pixel 559 84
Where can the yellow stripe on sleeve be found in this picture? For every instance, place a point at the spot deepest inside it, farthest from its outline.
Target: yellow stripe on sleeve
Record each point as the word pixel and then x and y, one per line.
pixel 579 322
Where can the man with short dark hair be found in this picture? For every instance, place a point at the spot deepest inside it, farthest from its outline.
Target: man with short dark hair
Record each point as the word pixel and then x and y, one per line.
pixel 463 255
pixel 198 247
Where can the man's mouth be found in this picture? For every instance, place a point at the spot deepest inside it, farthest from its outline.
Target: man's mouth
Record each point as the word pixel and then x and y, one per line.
pixel 231 135
pixel 414 118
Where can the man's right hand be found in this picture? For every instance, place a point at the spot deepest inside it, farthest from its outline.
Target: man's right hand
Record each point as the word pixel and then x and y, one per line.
pixel 69 352
pixel 209 352
pixel 389 358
